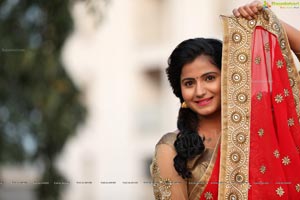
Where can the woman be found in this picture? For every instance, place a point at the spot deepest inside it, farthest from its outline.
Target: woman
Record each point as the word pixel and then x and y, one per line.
pixel 258 115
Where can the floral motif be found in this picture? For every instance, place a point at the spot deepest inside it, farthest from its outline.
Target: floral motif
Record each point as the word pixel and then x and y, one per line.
pixel 257 60
pixel 161 187
pixel 261 132
pixel 208 195
pixel 280 191
pixel 279 64
pixel 278 98
pixel 259 96
pixel 267 46
pixel 286 92
pixel 286 160
pixel 298 187
pixel 291 122
pixel 262 169
pixel 276 153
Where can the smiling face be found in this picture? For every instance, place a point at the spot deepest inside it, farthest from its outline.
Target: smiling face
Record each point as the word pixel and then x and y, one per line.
pixel 200 84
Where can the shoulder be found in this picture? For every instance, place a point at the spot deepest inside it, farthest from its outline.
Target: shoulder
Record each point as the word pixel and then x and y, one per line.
pixel 168 139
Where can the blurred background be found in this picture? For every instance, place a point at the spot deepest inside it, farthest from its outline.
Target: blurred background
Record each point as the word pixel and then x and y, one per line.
pixel 83 93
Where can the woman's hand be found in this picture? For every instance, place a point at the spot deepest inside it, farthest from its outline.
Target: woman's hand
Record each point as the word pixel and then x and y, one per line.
pixel 248 11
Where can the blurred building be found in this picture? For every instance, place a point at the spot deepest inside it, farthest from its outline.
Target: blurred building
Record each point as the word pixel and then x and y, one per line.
pixel 118 60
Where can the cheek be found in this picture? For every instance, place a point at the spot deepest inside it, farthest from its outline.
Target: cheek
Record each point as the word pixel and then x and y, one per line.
pixel 217 87
pixel 187 93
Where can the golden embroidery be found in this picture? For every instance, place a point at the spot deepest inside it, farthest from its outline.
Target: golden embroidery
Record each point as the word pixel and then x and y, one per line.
pixel 251 23
pixel 282 44
pixel 260 132
pixel 235 157
pixel 276 153
pixel 298 187
pixel 242 97
pixel 278 98
pixel 279 64
pixel 242 57
pixel 292 83
pixel 236 37
pixel 241 138
pixel 286 160
pixel 291 122
pixel 259 96
pixel 257 60
pixel 233 197
pixel 286 92
pixel 236 117
pixel 280 191
pixel 236 78
pixel 267 46
pixel 275 26
pixel 239 178
pixel 208 195
pixel 262 169
pixel 161 187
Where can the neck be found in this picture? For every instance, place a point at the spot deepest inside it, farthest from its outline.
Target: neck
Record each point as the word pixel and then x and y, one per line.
pixel 210 124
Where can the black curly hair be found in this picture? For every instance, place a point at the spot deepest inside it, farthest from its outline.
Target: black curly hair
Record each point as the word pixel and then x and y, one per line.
pixel 188 143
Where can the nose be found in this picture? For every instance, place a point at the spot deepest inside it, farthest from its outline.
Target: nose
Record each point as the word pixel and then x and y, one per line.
pixel 200 89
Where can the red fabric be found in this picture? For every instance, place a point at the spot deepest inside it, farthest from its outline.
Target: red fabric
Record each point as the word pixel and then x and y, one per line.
pixel 212 185
pixel 271 114
pixel 274 163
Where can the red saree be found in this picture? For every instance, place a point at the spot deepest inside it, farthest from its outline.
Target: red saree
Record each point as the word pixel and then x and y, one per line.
pixel 259 151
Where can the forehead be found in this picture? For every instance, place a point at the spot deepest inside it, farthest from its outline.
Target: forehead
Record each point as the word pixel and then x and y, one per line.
pixel 201 65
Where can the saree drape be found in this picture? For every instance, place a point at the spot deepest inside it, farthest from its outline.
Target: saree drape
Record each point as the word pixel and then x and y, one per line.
pixel 259 150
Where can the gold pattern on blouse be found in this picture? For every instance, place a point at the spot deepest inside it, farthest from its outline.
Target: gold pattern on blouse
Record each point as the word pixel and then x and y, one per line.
pixel 298 187
pixel 261 132
pixel 208 195
pixel 278 98
pixel 279 64
pixel 161 187
pixel 286 92
pixel 286 160
pixel 280 191
pixel 259 96
pixel 262 169
pixel 291 122
pixel 276 153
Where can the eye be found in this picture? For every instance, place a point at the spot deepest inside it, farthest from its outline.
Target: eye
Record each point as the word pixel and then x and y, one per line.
pixel 210 78
pixel 188 83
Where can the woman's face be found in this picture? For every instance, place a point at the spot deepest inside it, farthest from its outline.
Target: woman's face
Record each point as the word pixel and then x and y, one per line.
pixel 201 86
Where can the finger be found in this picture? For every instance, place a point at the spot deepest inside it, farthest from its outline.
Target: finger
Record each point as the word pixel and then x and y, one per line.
pixel 259 5
pixel 250 11
pixel 236 12
pixel 244 13
pixel 254 8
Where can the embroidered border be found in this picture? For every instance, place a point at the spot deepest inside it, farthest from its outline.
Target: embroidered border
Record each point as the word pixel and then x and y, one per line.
pixel 236 71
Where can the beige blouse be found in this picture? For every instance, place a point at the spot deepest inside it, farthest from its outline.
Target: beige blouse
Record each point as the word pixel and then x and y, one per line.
pixel 167 184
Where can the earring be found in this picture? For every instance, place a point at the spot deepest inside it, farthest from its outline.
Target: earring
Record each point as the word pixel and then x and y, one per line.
pixel 184 105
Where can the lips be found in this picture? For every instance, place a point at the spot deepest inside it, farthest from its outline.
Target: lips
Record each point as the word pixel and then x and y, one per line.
pixel 204 102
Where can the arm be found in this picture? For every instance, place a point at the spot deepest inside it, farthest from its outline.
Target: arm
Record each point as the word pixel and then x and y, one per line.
pixel 167 183
pixel 250 11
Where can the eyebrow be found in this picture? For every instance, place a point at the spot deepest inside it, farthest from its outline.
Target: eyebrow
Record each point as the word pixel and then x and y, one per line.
pixel 193 78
